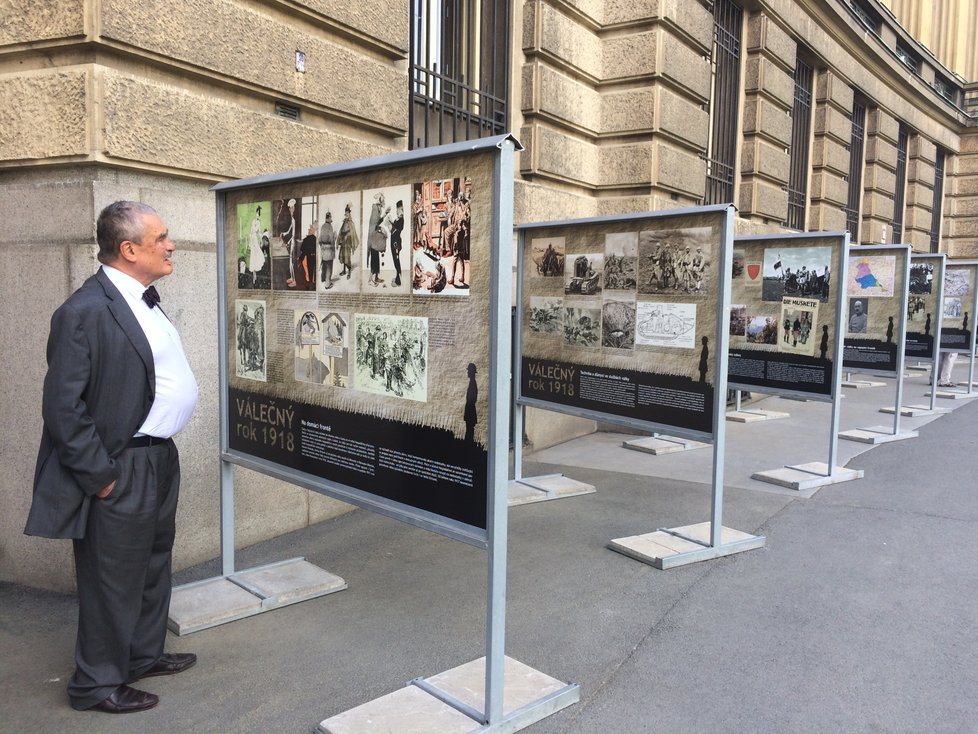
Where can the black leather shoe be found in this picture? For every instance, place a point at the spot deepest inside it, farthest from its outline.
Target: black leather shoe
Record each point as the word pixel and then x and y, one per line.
pixel 171 664
pixel 126 700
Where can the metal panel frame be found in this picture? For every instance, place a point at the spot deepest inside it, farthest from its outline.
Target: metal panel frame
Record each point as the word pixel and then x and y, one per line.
pixel 970 351
pixel 726 232
pixel 904 299
pixel 835 394
pixel 494 539
pixel 902 336
pixel 840 267
pixel 935 358
pixel 427 520
pixel 721 340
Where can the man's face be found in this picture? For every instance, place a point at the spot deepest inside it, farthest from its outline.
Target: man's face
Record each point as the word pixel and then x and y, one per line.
pixel 152 255
pixel 858 308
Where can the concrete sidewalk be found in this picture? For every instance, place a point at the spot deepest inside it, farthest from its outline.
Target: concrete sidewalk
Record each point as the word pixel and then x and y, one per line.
pixel 860 614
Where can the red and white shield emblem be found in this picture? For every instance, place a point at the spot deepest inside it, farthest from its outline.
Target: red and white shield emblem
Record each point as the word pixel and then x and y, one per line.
pixel 753 270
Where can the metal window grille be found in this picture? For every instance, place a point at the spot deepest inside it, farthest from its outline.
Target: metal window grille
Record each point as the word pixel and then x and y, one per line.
pixel 856 145
pixel 721 159
pixel 459 76
pixel 937 212
pixel 901 185
pixel 908 58
pixel 801 130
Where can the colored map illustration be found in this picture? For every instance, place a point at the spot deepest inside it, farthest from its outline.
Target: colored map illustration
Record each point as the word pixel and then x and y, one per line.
pixel 871 276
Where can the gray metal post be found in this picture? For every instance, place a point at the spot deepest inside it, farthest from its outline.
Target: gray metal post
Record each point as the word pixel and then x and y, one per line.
pixel 902 346
pixel 721 343
pixel 974 334
pixel 501 356
pixel 226 474
pixel 839 344
pixel 737 406
pixel 518 411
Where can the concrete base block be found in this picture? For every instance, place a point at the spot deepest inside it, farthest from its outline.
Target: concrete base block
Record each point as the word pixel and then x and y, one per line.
pixel 208 603
pixel 949 394
pixel 857 384
pixel 755 415
pixel 681 546
pixel 527 490
pixel 663 444
pixel 808 476
pixel 877 435
pixel 918 367
pixel 422 706
pixel 913 411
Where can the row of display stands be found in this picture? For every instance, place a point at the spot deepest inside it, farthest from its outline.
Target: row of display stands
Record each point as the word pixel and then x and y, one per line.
pixel 398 397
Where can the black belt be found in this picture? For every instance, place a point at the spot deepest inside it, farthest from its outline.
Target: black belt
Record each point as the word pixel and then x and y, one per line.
pixel 140 442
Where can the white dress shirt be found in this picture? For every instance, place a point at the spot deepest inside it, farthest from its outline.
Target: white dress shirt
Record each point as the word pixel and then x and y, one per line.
pixel 176 388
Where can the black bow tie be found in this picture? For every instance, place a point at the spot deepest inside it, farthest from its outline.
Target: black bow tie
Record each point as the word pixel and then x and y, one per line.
pixel 151 297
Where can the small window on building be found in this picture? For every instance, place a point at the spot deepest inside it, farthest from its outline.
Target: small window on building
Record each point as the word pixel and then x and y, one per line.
pixel 856 149
pixel 801 133
pixel 867 17
pixel 459 70
pixel 721 156
pixel 908 58
pixel 944 88
pixel 937 210
pixel 899 194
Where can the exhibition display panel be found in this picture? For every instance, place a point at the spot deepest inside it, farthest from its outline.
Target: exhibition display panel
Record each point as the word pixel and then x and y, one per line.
pixel 624 319
pixel 365 342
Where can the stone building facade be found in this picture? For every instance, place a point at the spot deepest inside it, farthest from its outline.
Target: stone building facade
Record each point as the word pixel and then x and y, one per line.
pixel 822 115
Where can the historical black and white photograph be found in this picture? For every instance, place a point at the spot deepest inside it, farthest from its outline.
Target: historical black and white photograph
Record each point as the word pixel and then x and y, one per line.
pixel 957 281
pixel 737 265
pixel 309 364
pixel 392 355
pixel 547 254
pixel 385 231
pixel 953 308
pixel 336 347
pixel 763 329
pixel 676 262
pixel 800 272
pixel 254 245
pixel 666 324
pixel 339 243
pixel 621 261
pixel 546 315
pixel 858 316
pixel 441 215
pixel 798 319
pixel 917 310
pixel 582 274
pixel 738 319
pixel 250 347
pixel 618 324
pixel 921 277
pixel 285 242
pixel 582 326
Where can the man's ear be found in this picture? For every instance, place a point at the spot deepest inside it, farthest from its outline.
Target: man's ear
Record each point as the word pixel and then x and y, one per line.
pixel 127 251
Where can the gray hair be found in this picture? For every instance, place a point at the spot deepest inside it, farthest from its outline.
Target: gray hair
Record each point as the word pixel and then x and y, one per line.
pixel 118 222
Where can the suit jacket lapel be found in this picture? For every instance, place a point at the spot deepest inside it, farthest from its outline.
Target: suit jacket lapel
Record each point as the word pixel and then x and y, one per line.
pixel 124 316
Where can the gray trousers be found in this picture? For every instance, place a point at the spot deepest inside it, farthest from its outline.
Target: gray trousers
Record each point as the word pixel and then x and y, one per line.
pixel 123 570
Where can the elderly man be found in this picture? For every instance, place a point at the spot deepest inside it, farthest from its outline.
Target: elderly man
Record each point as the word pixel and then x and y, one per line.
pixel 117 388
pixel 857 320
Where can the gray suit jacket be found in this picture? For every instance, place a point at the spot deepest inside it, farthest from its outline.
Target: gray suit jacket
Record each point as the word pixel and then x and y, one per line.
pixel 97 392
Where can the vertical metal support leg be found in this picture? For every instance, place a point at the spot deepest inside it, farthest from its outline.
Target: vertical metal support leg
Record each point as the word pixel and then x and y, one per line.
pixel 737 398
pixel 227 518
pixel 501 356
pixel 518 418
